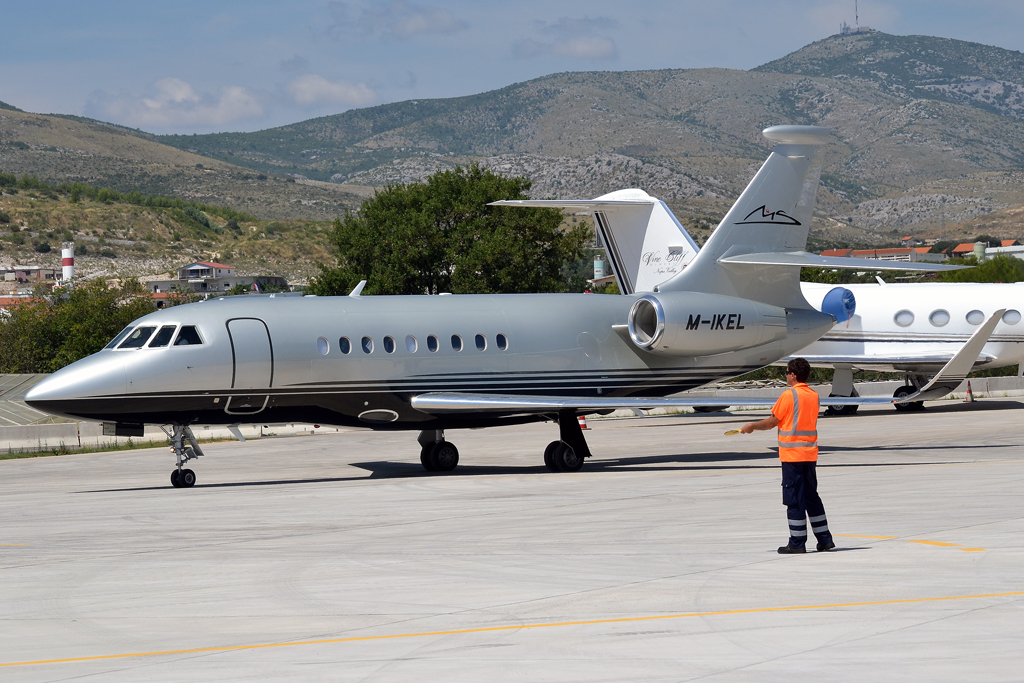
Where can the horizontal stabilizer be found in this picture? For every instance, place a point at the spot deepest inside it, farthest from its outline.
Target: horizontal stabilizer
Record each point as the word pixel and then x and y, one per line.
pixel 805 259
pixel 955 371
pixel 456 402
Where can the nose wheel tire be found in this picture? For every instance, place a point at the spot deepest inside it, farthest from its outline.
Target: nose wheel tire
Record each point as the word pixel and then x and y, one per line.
pixel 183 479
pixel 560 457
pixel 425 457
pixel 444 456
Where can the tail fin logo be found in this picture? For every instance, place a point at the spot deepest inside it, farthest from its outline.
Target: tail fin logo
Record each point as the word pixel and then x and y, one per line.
pixel 779 217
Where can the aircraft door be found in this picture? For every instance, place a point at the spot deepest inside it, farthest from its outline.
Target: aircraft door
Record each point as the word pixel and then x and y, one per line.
pixel 253 369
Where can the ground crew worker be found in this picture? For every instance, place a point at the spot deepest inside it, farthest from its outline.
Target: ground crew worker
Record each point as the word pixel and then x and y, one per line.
pixel 796 416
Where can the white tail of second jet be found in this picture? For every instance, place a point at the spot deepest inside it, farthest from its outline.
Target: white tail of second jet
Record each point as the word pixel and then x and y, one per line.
pixel 645 243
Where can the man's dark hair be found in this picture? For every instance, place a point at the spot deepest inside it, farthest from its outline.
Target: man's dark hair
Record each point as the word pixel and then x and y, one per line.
pixel 799 367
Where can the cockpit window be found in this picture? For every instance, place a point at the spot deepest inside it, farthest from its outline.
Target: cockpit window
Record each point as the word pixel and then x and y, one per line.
pixel 188 336
pixel 163 337
pixel 119 338
pixel 138 338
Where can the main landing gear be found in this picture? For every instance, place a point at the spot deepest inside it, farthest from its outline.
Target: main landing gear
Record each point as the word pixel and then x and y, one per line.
pixel 182 478
pixel 567 454
pixel 436 454
pixel 910 406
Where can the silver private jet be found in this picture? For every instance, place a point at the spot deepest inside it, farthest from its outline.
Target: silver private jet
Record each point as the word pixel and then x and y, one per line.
pixel 433 363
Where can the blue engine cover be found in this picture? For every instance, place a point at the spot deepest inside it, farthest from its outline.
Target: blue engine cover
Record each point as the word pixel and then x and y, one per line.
pixel 840 302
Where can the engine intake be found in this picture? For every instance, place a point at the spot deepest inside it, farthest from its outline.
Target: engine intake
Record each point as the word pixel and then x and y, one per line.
pixel 690 323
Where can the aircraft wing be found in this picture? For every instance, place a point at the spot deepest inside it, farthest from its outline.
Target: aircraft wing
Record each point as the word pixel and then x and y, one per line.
pixel 437 403
pixel 867 362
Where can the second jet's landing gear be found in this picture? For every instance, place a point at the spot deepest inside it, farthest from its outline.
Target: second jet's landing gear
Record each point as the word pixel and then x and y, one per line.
pixel 183 478
pixel 910 406
pixel 436 454
pixel 567 454
pixel 842 385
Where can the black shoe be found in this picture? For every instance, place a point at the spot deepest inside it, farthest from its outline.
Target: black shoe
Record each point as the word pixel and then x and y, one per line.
pixel 822 547
pixel 790 550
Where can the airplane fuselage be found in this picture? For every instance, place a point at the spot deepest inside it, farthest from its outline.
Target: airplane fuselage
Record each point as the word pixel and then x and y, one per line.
pixel 916 327
pixel 359 360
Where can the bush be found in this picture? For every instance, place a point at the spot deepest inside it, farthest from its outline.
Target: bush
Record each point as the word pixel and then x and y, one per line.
pixel 42 247
pixel 5 217
pixel 108 253
pixel 82 250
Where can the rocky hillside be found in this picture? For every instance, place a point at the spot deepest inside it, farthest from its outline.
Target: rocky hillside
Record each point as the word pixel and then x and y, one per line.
pixel 71 149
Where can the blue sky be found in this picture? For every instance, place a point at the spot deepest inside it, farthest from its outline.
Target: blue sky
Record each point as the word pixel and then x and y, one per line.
pixel 189 66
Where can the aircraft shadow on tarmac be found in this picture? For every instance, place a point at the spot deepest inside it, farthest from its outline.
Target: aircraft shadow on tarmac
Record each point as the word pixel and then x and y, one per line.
pixel 678 462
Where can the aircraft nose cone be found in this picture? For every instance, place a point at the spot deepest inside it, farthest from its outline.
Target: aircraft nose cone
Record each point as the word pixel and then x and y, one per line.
pixel 63 392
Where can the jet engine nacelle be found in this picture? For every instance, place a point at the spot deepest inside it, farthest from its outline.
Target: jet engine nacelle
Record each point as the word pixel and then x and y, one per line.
pixel 693 324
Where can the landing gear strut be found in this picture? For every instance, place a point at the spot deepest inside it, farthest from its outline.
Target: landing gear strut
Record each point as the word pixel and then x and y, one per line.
pixel 910 406
pixel 842 385
pixel 436 454
pixel 567 454
pixel 182 478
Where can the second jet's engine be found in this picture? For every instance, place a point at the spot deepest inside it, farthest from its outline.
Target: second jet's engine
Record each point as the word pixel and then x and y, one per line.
pixel 690 323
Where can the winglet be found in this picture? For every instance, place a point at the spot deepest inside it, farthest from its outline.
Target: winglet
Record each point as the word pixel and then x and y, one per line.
pixel 236 432
pixel 955 371
pixel 357 290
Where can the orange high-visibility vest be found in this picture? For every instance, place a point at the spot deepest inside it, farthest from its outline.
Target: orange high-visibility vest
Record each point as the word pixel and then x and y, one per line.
pixel 797 412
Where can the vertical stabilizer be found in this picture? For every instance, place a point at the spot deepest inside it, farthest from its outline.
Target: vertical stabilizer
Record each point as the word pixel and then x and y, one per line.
pixel 772 215
pixel 645 243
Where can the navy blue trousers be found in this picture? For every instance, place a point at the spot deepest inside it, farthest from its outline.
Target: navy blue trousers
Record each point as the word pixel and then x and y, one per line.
pixel 800 496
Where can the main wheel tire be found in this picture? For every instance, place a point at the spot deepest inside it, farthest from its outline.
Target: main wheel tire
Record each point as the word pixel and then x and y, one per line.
pixel 187 479
pixel 548 453
pixel 841 411
pixel 174 479
pixel 906 391
pixel 444 456
pixel 565 458
pixel 425 457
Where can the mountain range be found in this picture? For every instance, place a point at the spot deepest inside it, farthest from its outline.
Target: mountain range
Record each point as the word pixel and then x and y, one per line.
pixel 928 134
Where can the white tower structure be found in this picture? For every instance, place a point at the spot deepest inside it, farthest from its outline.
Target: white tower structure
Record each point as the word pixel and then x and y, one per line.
pixel 67 256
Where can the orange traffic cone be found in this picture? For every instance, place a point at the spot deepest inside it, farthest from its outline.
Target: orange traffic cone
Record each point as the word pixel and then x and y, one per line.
pixel 583 422
pixel 970 394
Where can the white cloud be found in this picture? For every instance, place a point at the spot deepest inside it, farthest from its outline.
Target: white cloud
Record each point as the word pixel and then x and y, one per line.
pixel 396 19
pixel 574 37
pixel 174 104
pixel 313 89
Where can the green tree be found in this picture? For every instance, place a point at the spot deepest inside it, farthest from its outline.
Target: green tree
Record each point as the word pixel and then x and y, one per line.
pixel 58 327
pixel 1001 268
pixel 440 235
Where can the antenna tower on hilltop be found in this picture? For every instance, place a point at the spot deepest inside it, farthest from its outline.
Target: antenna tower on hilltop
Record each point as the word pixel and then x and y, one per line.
pixel 856 17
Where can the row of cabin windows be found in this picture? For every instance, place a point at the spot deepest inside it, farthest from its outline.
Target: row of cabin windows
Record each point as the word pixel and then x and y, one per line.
pixel 940 317
pixel 137 337
pixel 412 344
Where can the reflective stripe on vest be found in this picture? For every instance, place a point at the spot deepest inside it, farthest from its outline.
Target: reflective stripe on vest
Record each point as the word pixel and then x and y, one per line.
pixel 798 445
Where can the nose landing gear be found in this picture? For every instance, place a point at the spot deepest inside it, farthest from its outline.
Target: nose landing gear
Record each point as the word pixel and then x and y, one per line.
pixel 182 478
pixel 436 454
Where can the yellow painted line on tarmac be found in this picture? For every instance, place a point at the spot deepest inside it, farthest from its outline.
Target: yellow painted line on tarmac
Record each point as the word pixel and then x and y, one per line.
pixel 938 543
pixel 517 627
pixel 941 544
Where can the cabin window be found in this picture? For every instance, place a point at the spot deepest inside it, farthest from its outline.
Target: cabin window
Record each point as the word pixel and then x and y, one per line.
pixel 323 346
pixel 411 344
pixel 432 343
pixel 163 337
pixel 344 345
pixel 939 318
pixel 1011 317
pixel 975 317
pixel 456 342
pixel 481 342
pixel 389 344
pixel 367 345
pixel 502 342
pixel 188 336
pixel 904 318
pixel 138 338
pixel 117 340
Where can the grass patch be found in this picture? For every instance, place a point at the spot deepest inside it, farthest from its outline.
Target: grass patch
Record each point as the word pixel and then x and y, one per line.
pixel 64 449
